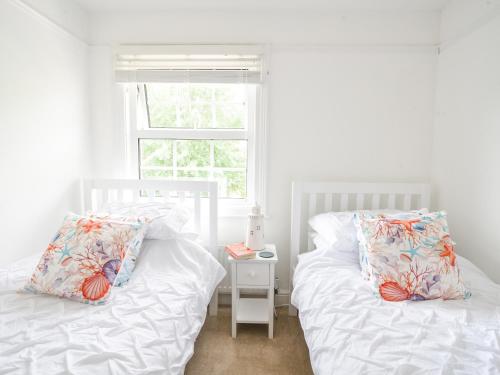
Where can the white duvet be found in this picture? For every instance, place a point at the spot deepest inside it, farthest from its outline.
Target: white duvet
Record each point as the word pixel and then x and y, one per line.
pixel 349 331
pixel 148 326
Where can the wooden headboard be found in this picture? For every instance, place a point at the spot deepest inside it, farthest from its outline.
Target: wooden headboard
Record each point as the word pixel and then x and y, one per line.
pixel 312 198
pixel 201 194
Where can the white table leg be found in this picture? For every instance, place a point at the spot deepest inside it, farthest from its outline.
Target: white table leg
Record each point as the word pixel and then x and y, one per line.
pixel 234 300
pixel 270 297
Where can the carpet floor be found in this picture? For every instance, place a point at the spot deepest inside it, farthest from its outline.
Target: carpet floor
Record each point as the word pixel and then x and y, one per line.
pixel 251 352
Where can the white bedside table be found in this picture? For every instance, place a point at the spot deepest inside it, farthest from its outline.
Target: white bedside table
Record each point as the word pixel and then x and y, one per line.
pixel 255 273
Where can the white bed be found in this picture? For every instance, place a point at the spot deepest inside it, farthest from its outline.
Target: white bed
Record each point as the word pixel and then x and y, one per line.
pixel 349 331
pixel 148 326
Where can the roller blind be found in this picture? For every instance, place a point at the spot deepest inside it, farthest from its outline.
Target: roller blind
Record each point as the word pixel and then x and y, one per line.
pixel 190 63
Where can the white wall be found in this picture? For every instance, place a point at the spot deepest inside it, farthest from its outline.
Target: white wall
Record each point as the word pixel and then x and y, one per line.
pixel 466 155
pixel 338 82
pixel 44 128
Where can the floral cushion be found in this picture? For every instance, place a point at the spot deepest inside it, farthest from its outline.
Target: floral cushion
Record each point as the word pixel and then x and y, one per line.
pixel 362 245
pixel 410 256
pixel 133 253
pixel 84 260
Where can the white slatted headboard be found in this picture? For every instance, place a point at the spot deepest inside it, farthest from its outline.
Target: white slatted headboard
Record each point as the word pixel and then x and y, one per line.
pixel 96 192
pixel 312 198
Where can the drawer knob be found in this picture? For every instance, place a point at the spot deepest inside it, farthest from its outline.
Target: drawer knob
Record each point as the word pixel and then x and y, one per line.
pixel 251 274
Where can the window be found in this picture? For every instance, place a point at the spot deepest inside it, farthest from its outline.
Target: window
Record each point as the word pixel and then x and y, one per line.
pixel 201 122
pixel 205 151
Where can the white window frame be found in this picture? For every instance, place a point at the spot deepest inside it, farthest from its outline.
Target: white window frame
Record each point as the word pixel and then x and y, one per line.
pixel 255 135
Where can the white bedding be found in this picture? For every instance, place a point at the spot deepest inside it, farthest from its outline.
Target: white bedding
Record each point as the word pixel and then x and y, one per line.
pixel 148 326
pixel 349 331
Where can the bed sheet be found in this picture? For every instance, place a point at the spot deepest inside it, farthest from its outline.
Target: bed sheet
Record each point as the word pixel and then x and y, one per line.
pixel 350 331
pixel 148 326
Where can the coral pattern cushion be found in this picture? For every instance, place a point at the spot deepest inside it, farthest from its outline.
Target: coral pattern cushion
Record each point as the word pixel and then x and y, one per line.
pixel 130 260
pixel 410 257
pixel 85 258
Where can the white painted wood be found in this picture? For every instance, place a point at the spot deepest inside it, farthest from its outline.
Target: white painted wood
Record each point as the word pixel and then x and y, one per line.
pixel 179 133
pixel 303 191
pixel 312 212
pixel 252 310
pixel 99 202
pixel 270 302
pixel 95 192
pixel 234 300
pixel 212 239
pixel 255 273
pixel 297 192
pixel 392 201
pixel 165 194
pixel 328 206
pixel 360 201
pixel 407 202
pixel 312 205
pixel 106 196
pixel 197 211
pixel 344 202
pixel 150 194
pixel 120 195
pixel 425 199
pixel 135 195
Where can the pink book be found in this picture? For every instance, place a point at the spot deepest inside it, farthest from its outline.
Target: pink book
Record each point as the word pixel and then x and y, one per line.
pixel 239 251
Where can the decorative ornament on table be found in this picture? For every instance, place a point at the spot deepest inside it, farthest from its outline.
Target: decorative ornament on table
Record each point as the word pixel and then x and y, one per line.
pixel 255 229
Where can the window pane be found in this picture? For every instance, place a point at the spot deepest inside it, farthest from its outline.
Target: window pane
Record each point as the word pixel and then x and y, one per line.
pixel 224 161
pixel 230 162
pixel 156 153
pixel 193 153
pixel 230 116
pixel 197 116
pixel 230 154
pixel 202 106
pixel 201 93
pixel 230 106
pixel 231 184
pixel 162 105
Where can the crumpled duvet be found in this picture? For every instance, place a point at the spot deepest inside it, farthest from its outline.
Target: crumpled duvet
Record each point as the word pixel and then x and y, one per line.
pixel 148 326
pixel 350 331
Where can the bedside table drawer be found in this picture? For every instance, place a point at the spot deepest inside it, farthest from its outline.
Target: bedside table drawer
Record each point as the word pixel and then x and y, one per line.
pixel 252 274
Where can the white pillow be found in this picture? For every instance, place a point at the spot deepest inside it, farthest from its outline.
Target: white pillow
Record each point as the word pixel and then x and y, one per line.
pixel 337 230
pixel 319 241
pixel 166 220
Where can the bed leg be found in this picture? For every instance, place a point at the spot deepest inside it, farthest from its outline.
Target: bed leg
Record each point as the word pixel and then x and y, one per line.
pixel 292 311
pixel 214 303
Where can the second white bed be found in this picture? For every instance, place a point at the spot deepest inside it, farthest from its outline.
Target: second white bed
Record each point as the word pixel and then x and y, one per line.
pixel 349 331
pixel 148 326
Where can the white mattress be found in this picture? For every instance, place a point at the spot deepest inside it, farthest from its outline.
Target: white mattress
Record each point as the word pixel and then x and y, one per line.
pixel 349 331
pixel 148 326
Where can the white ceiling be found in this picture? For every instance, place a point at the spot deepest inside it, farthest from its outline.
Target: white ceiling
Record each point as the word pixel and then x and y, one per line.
pixel 349 5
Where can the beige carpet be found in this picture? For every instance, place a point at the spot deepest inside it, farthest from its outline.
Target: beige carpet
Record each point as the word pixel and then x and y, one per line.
pixel 251 352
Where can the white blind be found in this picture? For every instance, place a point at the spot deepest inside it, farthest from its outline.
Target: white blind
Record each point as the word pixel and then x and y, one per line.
pixel 190 63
